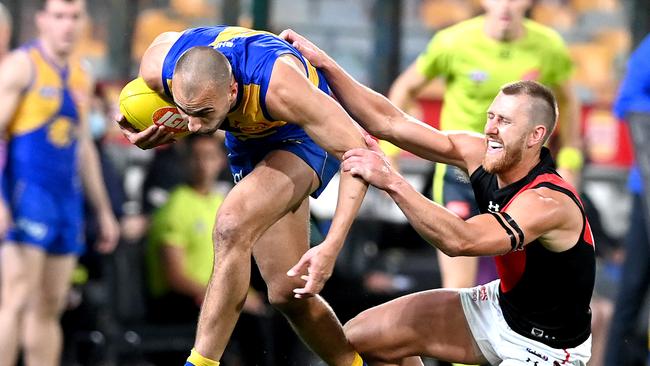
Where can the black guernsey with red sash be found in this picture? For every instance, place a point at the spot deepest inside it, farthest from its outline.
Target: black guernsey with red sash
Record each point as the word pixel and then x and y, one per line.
pixel 543 295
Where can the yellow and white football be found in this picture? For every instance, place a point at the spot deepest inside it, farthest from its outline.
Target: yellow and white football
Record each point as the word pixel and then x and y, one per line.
pixel 143 107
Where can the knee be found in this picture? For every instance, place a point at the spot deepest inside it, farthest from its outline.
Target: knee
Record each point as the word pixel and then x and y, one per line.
pixel 15 299
pixel 13 306
pixel 231 234
pixel 281 298
pixel 366 339
pixel 353 331
pixel 48 305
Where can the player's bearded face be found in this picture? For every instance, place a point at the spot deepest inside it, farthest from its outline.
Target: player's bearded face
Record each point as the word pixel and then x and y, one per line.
pixel 510 155
pixel 506 133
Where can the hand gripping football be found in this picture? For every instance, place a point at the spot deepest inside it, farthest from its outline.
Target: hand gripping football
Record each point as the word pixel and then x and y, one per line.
pixel 143 107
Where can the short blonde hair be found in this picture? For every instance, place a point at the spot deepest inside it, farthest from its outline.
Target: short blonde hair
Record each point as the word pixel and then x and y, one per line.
pixel 543 108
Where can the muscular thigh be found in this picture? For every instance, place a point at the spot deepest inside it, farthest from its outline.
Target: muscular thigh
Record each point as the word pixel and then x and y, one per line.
pixel 430 323
pixel 54 283
pixel 245 155
pixel 276 186
pixel 21 268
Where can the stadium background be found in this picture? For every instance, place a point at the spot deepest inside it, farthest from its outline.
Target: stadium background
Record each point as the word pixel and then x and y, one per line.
pixel 374 40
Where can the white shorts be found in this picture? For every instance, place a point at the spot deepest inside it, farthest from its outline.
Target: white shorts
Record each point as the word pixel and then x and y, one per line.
pixel 501 345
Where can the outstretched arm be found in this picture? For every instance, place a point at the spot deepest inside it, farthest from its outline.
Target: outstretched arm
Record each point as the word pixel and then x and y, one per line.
pixel 384 120
pixel 556 219
pixel 291 97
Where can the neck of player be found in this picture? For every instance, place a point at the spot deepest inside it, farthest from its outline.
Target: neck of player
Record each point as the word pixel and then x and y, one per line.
pixel 58 57
pixel 517 172
pixel 504 34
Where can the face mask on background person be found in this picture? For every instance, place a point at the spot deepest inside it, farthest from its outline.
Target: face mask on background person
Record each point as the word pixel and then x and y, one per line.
pixel 97 122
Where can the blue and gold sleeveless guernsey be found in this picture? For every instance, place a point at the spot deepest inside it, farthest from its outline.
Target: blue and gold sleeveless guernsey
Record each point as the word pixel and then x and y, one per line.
pixel 41 179
pixel 251 132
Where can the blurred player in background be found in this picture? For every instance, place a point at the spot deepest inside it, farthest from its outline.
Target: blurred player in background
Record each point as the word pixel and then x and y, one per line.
pixel 5 30
pixel 476 57
pixel 50 154
pixel 5 40
pixel 249 83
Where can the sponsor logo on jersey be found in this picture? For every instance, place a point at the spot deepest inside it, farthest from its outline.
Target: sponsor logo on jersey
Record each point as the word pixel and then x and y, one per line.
pixel 170 118
pixel 537 353
pixel 224 44
pixel 480 294
pixel 48 92
pixel 61 132
pixel 478 76
pixel 200 226
pixel 37 230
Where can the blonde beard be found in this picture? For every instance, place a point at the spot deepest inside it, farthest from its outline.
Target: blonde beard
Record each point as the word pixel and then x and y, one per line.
pixel 510 159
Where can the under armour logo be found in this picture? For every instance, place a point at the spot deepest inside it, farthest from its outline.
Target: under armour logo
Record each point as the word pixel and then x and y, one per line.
pixel 537 332
pixel 493 207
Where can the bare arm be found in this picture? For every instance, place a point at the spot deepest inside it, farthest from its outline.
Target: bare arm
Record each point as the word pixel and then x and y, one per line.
pixel 15 75
pixel 384 120
pixel 151 64
pixel 93 181
pixel 556 222
pixel 570 158
pixel 173 259
pixel 555 218
pixel 291 97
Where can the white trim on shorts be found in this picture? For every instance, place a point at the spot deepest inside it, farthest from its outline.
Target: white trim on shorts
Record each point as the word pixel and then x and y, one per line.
pixel 501 345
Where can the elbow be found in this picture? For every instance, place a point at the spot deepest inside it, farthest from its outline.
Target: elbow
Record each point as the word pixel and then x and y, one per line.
pixel 383 131
pixel 455 248
pixel 450 251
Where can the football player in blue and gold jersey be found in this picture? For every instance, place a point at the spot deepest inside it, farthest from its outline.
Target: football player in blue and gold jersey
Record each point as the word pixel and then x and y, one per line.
pixel 284 136
pixel 50 154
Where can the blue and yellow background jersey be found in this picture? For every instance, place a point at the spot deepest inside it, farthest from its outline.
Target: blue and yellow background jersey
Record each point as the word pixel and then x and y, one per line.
pixel 44 130
pixel 252 55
